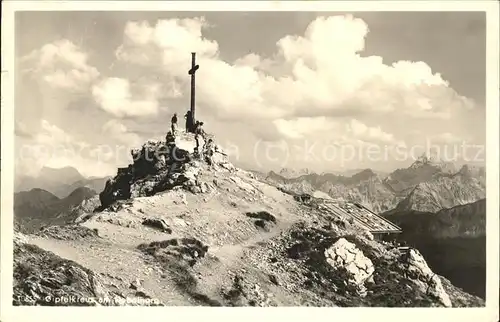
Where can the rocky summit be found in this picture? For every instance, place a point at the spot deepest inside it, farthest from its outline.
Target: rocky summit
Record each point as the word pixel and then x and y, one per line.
pixel 176 229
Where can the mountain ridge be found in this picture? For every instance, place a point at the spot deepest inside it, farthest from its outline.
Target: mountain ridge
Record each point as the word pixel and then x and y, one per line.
pixel 37 208
pixel 402 187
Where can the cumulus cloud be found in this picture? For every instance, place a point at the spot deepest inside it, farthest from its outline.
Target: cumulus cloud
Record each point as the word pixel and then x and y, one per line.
pixel 52 146
pixel 119 131
pixel 332 129
pixel 316 87
pixel 114 95
pixel 301 127
pixel 61 64
pixel 446 138
pixel 321 72
pixel 51 134
pixel 145 44
pixel 365 133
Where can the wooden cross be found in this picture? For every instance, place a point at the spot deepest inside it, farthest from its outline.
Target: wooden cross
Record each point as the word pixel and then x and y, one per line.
pixel 192 72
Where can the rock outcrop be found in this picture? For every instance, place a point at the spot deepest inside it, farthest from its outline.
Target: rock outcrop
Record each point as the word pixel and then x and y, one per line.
pixel 428 282
pixel 346 257
pixel 158 167
pixel 85 209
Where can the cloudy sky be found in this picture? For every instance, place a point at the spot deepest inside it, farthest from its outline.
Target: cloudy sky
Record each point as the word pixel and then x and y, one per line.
pixel 294 89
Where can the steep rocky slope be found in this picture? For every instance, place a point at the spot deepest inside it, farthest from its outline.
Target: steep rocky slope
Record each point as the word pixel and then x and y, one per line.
pixel 177 231
pixel 452 240
pixel 425 168
pixel 444 191
pixel 37 208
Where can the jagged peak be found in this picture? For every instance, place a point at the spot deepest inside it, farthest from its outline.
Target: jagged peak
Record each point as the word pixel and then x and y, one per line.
pixel 294 173
pixel 425 158
pixel 433 160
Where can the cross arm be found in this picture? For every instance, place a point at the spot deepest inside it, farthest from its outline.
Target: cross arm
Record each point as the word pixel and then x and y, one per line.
pixel 193 70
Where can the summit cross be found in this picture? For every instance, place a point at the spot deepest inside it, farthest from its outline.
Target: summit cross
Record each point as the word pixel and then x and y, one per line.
pixel 192 72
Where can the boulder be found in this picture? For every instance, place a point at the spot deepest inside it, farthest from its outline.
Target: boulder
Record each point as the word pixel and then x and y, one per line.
pixel 346 258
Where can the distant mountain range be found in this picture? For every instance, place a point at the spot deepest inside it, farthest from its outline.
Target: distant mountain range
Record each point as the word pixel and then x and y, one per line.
pixel 60 182
pixel 37 208
pixel 289 173
pixel 427 185
pixel 453 241
pixel 50 197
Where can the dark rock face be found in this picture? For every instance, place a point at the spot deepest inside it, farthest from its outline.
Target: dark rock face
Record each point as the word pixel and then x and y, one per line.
pixel 156 167
pixel 43 278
